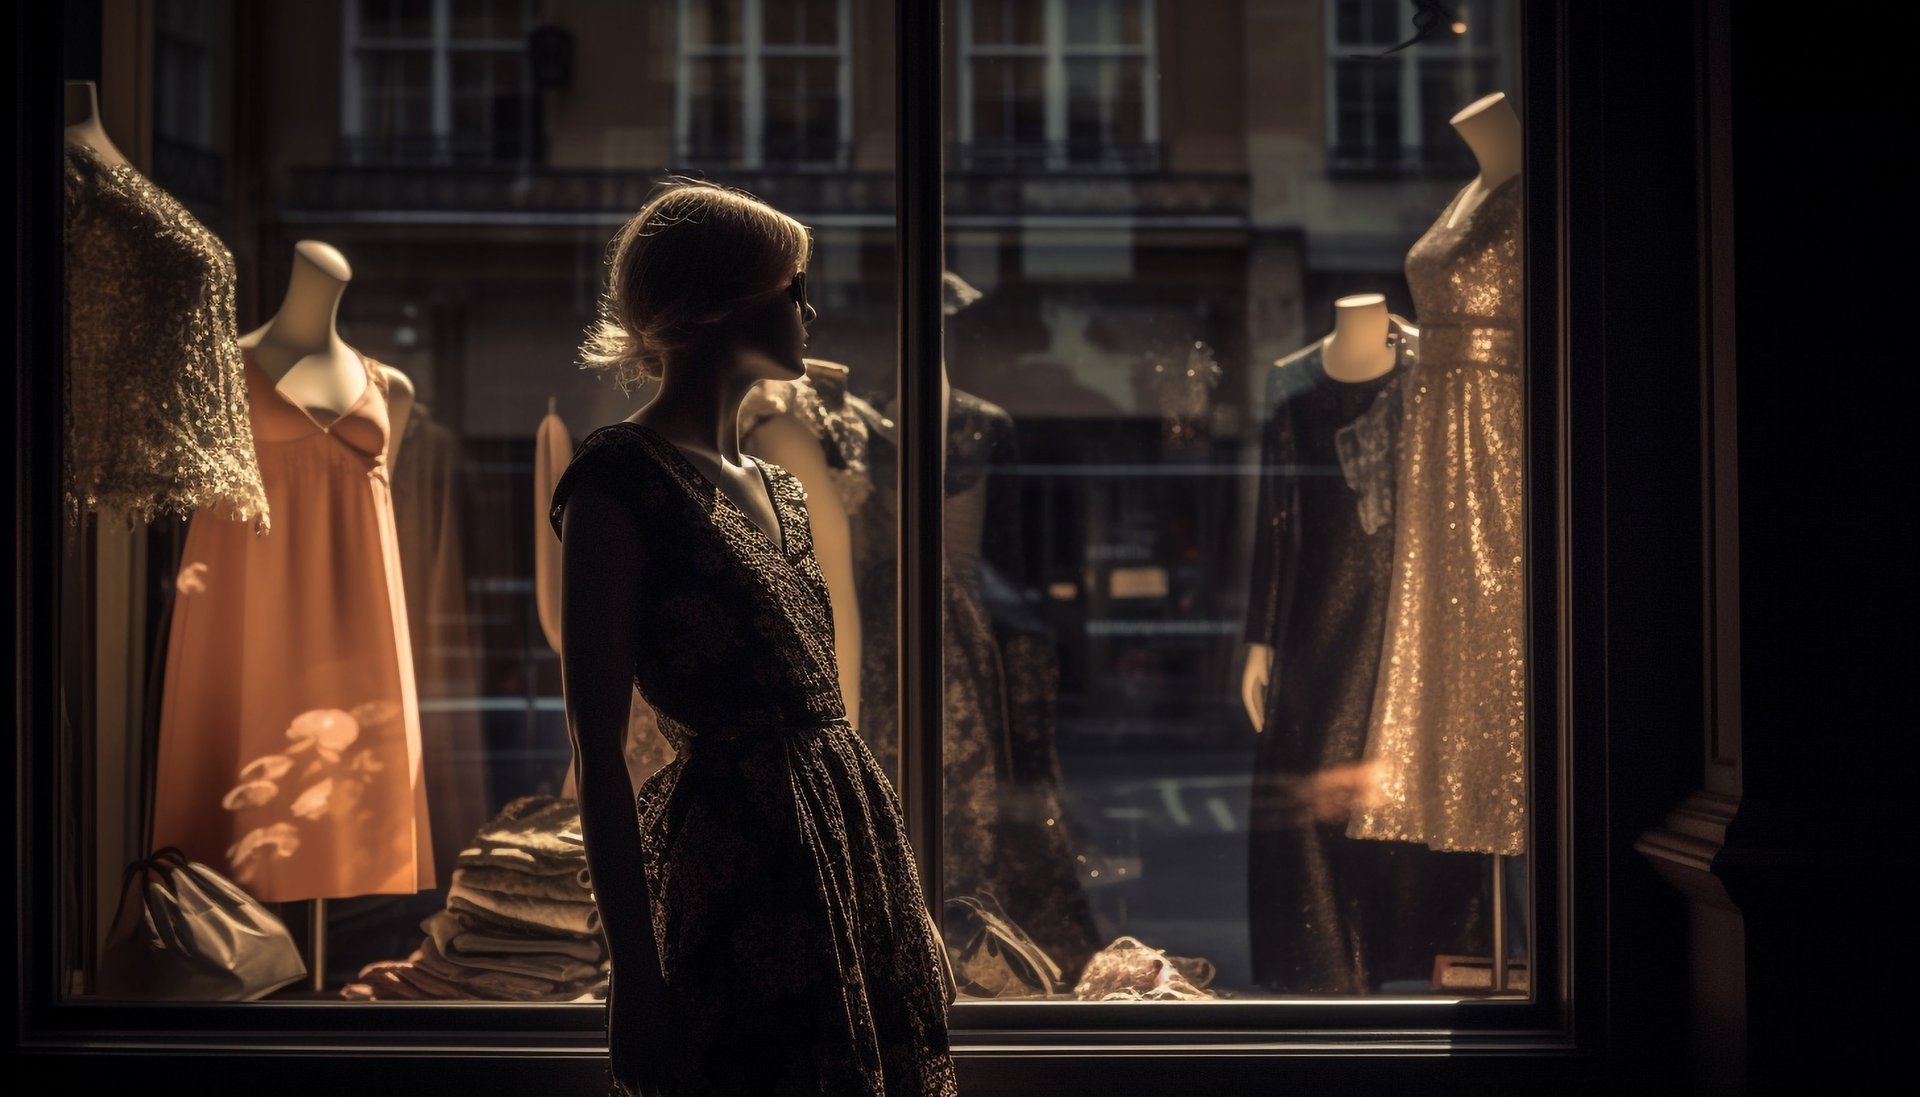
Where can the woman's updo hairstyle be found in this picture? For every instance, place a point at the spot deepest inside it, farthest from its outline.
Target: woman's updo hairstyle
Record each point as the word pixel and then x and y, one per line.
pixel 694 254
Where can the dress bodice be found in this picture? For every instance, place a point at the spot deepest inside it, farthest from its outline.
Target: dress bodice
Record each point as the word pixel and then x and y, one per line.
pixel 360 433
pixel 1466 284
pixel 734 633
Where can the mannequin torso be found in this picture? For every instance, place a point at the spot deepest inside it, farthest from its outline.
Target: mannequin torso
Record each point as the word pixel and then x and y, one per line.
pixel 1359 349
pixel 790 442
pixel 304 356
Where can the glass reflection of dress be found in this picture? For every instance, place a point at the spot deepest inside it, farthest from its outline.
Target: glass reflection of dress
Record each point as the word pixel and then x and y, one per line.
pixel 1449 720
pixel 1006 829
pixel 1329 914
pixel 289 752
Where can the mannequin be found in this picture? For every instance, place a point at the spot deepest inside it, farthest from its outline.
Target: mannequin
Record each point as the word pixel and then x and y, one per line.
pixel 1329 914
pixel 301 637
pixel 83 123
pixel 1361 347
pixel 1447 731
pixel 157 411
pixel 1492 132
pixel 790 441
pixel 303 355
pixel 552 449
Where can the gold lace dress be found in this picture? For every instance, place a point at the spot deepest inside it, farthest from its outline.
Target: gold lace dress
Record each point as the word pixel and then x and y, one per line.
pixel 156 403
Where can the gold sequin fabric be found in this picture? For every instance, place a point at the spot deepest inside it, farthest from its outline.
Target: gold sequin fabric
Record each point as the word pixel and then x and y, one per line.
pixel 787 906
pixel 1448 727
pixel 156 402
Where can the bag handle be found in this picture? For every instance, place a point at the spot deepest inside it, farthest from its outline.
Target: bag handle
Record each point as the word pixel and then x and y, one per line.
pixel 160 860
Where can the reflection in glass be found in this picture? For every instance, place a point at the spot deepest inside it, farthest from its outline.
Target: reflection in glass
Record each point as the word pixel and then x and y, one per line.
pixel 1213 667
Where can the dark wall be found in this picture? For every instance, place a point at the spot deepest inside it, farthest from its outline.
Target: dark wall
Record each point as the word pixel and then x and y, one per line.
pixel 1824 223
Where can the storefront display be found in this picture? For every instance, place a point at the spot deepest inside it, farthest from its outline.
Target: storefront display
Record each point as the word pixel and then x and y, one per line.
pixel 1330 914
pixel 289 749
pixel 1419 707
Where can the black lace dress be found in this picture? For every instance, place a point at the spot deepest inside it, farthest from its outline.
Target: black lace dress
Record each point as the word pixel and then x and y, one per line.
pixel 1331 914
pixel 787 907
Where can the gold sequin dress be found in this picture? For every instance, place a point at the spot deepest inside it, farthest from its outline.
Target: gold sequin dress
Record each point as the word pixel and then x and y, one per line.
pixel 1448 727
pixel 156 402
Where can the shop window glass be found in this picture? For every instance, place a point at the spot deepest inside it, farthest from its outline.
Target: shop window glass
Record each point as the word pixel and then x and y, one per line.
pixel 1057 84
pixel 766 83
pixel 322 663
pixel 1234 706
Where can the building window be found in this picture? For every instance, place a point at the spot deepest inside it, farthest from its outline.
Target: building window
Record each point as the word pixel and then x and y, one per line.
pixel 185 155
pixel 1388 112
pixel 436 82
pixel 1063 84
pixel 764 83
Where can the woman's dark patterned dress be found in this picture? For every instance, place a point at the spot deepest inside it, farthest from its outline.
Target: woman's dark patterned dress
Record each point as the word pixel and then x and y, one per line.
pixel 787 907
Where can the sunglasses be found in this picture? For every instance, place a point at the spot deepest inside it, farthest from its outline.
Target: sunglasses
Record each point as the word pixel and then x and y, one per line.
pixel 798 289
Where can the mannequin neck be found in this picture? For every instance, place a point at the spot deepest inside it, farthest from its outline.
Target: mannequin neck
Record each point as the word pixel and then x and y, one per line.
pixel 1359 349
pixel 826 371
pixel 305 322
pixel 83 122
pixel 1492 133
pixel 304 329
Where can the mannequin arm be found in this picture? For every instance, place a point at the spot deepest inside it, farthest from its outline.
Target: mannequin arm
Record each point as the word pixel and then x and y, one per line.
pixel 787 442
pixel 1253 683
pixel 399 407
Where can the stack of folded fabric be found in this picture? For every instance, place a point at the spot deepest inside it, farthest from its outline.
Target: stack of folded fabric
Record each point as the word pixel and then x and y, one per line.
pixel 519 925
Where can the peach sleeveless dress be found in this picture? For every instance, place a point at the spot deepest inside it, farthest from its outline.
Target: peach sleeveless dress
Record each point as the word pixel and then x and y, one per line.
pixel 289 752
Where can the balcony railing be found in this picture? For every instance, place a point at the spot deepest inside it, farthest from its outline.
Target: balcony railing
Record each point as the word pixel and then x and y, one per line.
pixel 728 156
pixel 510 148
pixel 1401 162
pixel 1026 157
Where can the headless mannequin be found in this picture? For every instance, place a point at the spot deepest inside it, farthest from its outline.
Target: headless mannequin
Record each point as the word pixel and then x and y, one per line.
pixel 1360 348
pixel 787 441
pixel 553 448
pixel 83 123
pixel 302 353
pixel 1492 131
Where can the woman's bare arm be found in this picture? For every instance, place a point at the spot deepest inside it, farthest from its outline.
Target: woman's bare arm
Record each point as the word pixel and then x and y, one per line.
pixel 602 552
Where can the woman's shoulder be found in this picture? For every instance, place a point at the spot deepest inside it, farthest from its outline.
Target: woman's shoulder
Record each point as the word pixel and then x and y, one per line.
pixel 613 462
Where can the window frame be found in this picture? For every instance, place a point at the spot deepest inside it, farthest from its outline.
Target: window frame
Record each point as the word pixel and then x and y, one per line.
pixel 753 52
pixel 440 45
pixel 1410 156
pixel 1561 1028
pixel 1056 53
